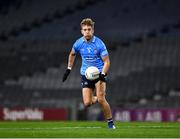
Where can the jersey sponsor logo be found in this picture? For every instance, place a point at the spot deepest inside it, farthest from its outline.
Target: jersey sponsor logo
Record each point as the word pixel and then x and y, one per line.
pixel 91 58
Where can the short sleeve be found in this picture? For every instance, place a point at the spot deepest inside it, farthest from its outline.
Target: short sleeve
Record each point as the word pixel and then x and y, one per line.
pixel 75 48
pixel 103 49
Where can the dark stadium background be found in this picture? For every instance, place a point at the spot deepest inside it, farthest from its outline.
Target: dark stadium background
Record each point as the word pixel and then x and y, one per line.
pixel 143 39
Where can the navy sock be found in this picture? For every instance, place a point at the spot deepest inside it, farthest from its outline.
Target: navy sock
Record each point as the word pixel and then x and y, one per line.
pixel 110 121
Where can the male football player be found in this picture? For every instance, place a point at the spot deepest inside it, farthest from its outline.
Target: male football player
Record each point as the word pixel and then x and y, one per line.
pixel 93 53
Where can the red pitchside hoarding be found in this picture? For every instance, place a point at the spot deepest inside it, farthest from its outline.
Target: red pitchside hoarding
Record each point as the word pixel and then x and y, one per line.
pixel 33 114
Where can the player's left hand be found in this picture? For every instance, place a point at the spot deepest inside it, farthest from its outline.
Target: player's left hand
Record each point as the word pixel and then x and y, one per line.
pixel 102 77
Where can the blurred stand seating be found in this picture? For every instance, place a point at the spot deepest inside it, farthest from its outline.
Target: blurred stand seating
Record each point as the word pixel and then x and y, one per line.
pixel 142 38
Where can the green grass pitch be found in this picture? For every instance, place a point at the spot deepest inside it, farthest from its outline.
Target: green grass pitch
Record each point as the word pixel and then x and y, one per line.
pixel 89 129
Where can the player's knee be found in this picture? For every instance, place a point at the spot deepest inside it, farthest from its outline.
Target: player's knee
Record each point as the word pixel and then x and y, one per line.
pixel 101 99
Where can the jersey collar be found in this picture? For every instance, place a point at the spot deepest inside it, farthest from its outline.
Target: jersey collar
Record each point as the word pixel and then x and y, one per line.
pixel 92 40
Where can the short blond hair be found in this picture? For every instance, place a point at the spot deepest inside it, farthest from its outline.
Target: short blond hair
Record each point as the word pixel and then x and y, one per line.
pixel 88 22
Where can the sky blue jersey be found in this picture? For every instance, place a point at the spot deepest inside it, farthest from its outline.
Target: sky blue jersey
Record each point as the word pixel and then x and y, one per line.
pixel 91 53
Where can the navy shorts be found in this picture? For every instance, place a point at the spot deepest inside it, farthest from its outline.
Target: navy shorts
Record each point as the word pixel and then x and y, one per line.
pixel 85 83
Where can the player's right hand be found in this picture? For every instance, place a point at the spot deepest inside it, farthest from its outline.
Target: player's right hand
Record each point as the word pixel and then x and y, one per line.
pixel 66 74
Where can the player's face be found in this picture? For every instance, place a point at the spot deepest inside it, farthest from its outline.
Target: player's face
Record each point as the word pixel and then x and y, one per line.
pixel 87 32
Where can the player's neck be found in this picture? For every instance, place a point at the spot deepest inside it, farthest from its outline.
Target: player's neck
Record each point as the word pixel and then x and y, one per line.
pixel 88 40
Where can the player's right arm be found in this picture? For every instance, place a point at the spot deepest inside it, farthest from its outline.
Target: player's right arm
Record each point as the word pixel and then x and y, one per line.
pixel 71 60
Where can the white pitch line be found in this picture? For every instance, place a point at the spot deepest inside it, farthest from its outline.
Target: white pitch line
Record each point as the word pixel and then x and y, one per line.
pixel 58 128
pixel 124 127
pixel 87 127
pixel 154 126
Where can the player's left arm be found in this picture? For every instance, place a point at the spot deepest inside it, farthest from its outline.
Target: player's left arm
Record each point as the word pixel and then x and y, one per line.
pixel 103 73
pixel 105 57
pixel 106 66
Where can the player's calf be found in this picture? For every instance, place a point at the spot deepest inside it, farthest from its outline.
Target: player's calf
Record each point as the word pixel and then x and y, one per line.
pixel 87 104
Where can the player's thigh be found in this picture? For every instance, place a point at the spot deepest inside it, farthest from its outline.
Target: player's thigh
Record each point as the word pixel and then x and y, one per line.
pixel 100 89
pixel 87 94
